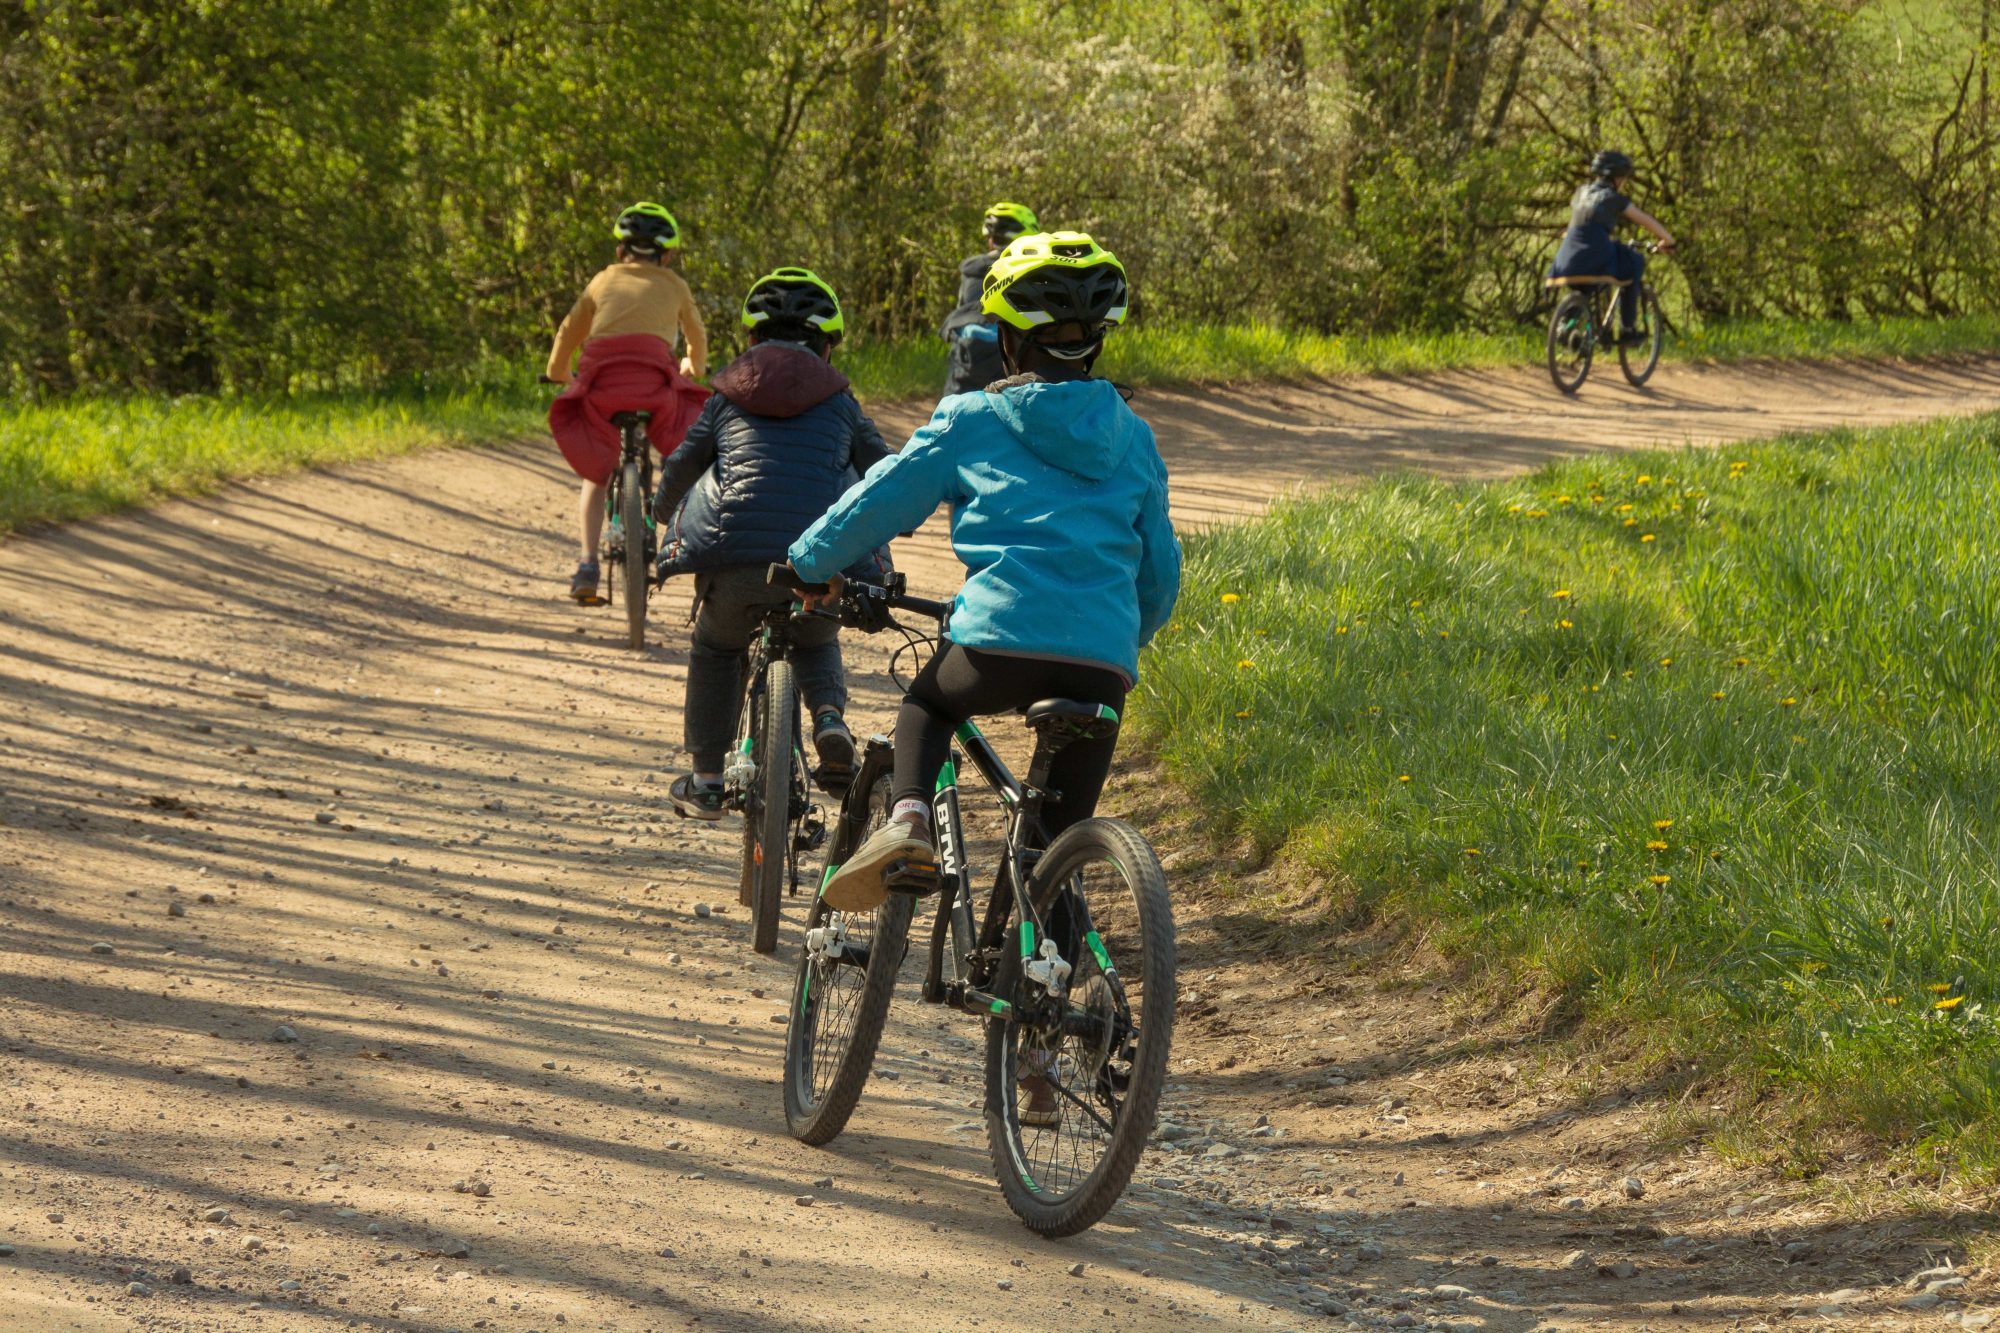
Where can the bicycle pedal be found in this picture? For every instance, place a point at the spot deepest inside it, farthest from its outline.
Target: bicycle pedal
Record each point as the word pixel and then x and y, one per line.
pixel 918 878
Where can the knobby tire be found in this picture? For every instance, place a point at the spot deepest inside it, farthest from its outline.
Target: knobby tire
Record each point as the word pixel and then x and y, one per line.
pixel 632 513
pixel 1570 367
pixel 836 1018
pixel 1639 363
pixel 772 810
pixel 1034 1183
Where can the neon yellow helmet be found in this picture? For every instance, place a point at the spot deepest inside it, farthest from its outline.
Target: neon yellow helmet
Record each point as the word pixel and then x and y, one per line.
pixel 1057 277
pixel 793 300
pixel 647 229
pixel 1006 221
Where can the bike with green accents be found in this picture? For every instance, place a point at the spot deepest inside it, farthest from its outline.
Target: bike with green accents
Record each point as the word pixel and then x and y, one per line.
pixel 1069 963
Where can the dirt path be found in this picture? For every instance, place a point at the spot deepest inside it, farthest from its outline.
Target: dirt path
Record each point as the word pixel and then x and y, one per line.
pixel 328 755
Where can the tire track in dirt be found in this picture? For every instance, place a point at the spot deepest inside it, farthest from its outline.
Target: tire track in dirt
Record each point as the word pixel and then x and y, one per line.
pixel 488 951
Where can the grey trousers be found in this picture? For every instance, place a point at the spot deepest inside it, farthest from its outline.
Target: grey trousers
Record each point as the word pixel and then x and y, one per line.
pixel 729 610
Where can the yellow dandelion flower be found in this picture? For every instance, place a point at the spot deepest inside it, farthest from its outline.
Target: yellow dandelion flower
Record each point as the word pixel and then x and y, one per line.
pixel 1627 674
pixel 1655 845
pixel 1538 513
pixel 1887 922
pixel 1595 688
pixel 1740 661
pixel 1564 624
pixel 1645 536
pixel 1950 1004
pixel 1663 824
pixel 1560 592
pixel 1340 629
pixel 1787 701
pixel 1625 508
pixel 1629 523
pixel 1402 777
pixel 1242 712
pixel 1643 479
pixel 1472 851
pixel 1666 661
pixel 1938 987
pixel 1659 881
pixel 1563 500
pixel 1597 499
pixel 1416 602
pixel 1814 965
pixel 1229 597
pixel 1739 463
pixel 1513 509
pixel 1444 634
pixel 1892 999
pixel 1583 865
pixel 1245 664
pixel 1718 694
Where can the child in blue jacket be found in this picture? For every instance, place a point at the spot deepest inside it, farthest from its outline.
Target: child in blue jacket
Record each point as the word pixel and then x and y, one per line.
pixel 1059 513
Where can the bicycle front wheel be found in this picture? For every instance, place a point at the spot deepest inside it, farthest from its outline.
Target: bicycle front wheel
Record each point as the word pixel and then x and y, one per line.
pixel 847 973
pixel 1570 342
pixel 770 812
pixel 1072 1087
pixel 1641 361
pixel 632 514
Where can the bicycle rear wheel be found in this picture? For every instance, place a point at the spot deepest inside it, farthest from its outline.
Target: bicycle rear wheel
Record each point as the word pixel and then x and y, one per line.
pixel 769 815
pixel 1571 336
pixel 1107 1060
pixel 1640 362
pixel 846 975
pixel 632 515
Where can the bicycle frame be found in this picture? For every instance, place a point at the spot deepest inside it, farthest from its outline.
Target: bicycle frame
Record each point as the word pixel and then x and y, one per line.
pixel 977 960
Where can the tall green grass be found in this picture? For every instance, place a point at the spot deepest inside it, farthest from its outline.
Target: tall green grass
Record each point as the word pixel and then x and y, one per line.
pixel 69 460
pixel 1710 740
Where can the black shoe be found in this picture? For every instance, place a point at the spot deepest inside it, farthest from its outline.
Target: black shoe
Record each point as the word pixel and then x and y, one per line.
pixel 696 800
pixel 1632 338
pixel 835 746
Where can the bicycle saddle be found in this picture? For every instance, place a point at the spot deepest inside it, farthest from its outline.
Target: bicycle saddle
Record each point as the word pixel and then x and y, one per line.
pixel 624 419
pixel 1071 718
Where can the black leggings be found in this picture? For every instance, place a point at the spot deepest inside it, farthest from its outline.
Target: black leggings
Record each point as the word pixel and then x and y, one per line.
pixel 960 683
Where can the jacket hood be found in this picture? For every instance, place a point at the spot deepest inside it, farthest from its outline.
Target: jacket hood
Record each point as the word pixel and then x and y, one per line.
pixel 775 379
pixel 975 266
pixel 1080 426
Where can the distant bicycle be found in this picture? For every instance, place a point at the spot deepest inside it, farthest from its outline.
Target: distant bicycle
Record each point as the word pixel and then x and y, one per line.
pixel 1069 963
pixel 1585 318
pixel 626 497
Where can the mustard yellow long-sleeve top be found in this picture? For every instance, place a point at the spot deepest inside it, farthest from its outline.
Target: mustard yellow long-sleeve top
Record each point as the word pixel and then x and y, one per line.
pixel 632 297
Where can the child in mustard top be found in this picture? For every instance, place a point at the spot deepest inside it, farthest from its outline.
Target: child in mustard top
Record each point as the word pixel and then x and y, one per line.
pixel 625 323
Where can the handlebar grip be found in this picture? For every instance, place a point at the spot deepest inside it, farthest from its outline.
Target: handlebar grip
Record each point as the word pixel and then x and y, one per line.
pixel 782 575
pixel 545 379
pixel 923 606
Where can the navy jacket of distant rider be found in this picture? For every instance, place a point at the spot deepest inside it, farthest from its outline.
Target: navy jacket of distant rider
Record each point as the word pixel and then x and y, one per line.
pixel 776 446
pixel 974 335
pixel 1588 249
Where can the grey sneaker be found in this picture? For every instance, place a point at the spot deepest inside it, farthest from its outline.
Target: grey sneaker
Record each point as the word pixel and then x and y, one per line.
pixel 893 852
pixel 583 583
pixel 696 800
pixel 834 744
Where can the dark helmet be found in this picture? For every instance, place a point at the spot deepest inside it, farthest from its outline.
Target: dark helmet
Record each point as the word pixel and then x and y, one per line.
pixel 1611 162
pixel 647 229
pixel 790 302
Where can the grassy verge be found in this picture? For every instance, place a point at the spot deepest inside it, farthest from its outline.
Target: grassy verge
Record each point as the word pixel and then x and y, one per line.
pixel 69 460
pixel 1708 740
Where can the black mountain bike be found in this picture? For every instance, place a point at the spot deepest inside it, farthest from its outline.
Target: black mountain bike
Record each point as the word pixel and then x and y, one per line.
pixel 1070 964
pixel 766 777
pixel 629 538
pixel 625 513
pixel 1584 319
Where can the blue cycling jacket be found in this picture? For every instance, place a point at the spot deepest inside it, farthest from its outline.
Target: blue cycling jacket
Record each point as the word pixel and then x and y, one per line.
pixel 1058 511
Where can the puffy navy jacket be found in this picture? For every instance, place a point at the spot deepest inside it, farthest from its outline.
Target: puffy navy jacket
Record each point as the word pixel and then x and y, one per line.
pixel 779 442
pixel 974 335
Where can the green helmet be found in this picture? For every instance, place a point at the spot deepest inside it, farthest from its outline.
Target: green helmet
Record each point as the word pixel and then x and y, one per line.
pixel 793 300
pixel 1006 221
pixel 647 229
pixel 1056 278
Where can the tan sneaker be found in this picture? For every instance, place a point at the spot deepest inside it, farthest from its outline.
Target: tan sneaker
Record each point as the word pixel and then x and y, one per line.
pixel 893 851
pixel 1036 1104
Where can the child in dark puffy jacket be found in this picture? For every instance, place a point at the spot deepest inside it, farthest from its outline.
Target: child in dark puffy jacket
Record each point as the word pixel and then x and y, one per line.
pixel 973 334
pixel 780 441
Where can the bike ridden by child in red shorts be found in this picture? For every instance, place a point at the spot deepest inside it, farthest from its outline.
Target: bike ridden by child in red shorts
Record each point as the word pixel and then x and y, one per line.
pixel 626 323
pixel 780 441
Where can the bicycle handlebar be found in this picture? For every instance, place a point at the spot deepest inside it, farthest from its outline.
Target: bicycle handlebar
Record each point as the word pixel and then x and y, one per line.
pixel 863 605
